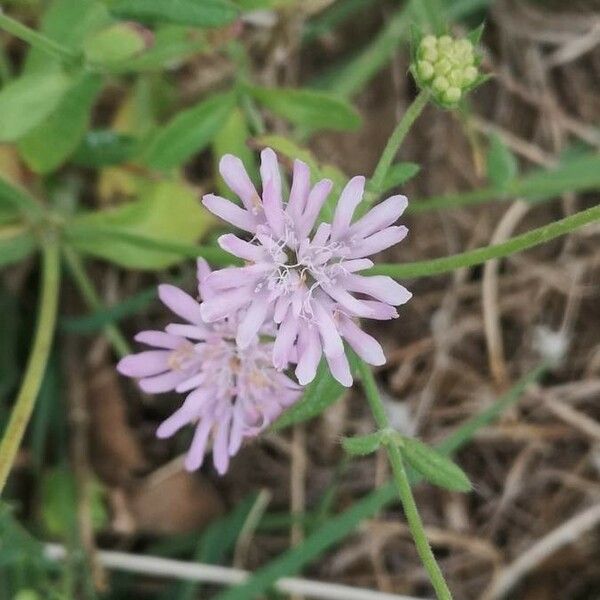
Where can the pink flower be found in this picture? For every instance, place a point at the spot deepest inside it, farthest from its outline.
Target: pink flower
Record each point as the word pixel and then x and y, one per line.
pixel 305 280
pixel 232 393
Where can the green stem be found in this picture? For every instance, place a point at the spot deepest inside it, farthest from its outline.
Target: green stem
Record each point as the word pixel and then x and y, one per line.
pixel 403 486
pixel 36 39
pixel 424 268
pixel 87 290
pixel 394 143
pixel 36 366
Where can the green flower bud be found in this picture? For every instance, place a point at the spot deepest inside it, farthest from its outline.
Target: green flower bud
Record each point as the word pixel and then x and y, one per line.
pixel 469 75
pixel 445 42
pixel 425 70
pixel 429 41
pixel 429 54
pixel 447 67
pixel 443 66
pixel 452 95
pixel 440 84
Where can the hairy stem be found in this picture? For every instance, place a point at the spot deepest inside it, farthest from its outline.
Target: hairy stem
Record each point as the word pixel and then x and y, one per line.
pixel 403 486
pixel 36 39
pixel 424 268
pixel 36 366
pixel 87 290
pixel 394 143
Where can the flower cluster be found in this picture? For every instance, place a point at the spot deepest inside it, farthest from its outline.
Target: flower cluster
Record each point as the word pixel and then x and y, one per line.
pixel 447 67
pixel 303 275
pixel 297 297
pixel 232 392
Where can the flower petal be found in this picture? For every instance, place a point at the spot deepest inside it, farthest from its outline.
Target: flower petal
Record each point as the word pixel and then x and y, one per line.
pixel 379 287
pixel 225 303
pixel 379 241
pixel 162 383
pixel 332 342
pixel 348 301
pixel 235 176
pixel 271 178
pixel 309 355
pixel 144 364
pixel 221 444
pixel 228 211
pixel 234 245
pixel 286 336
pixel 314 203
pixel 379 217
pixel 180 303
pixel 234 277
pixel 381 310
pixel 194 332
pixel 340 369
pixel 349 199
pixel 159 339
pixel 299 190
pixel 252 321
pixel 367 347
pixel 195 455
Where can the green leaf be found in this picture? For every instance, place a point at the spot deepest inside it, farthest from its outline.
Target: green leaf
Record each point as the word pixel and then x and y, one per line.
pixel 361 445
pixel 207 13
pixel 62 130
pixel 399 174
pixel 190 131
pixel 103 148
pixel 321 393
pixel 67 22
pixel 16 243
pixel 308 108
pixel 232 138
pixel 501 164
pixel 28 100
pixel 116 43
pixel 168 211
pixel 172 44
pixel 14 200
pixel 474 36
pixel 433 465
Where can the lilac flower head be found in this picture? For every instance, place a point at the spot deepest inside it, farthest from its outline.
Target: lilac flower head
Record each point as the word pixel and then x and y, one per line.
pixel 232 392
pixel 300 275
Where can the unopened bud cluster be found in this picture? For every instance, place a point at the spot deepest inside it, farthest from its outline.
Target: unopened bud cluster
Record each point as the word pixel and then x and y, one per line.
pixel 446 66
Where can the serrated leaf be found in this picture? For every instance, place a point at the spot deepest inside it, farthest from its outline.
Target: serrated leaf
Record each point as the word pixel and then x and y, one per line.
pixel 501 164
pixel 308 108
pixel 232 138
pixel 207 13
pixel 104 147
pixel 434 466
pixel 399 174
pixel 190 131
pixel 321 393
pixel 361 445
pixel 26 101
pixel 48 145
pixel 167 211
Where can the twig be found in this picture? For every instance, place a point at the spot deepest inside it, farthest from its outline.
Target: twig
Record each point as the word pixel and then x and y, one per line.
pixel 566 534
pixel 154 566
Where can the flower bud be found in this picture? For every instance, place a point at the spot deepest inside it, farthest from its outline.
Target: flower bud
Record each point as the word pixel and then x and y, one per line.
pixel 447 67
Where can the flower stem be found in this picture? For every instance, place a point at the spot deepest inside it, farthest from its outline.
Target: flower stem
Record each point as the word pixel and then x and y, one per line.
pixel 424 268
pixel 38 359
pixel 36 39
pixel 87 290
pixel 394 143
pixel 403 486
